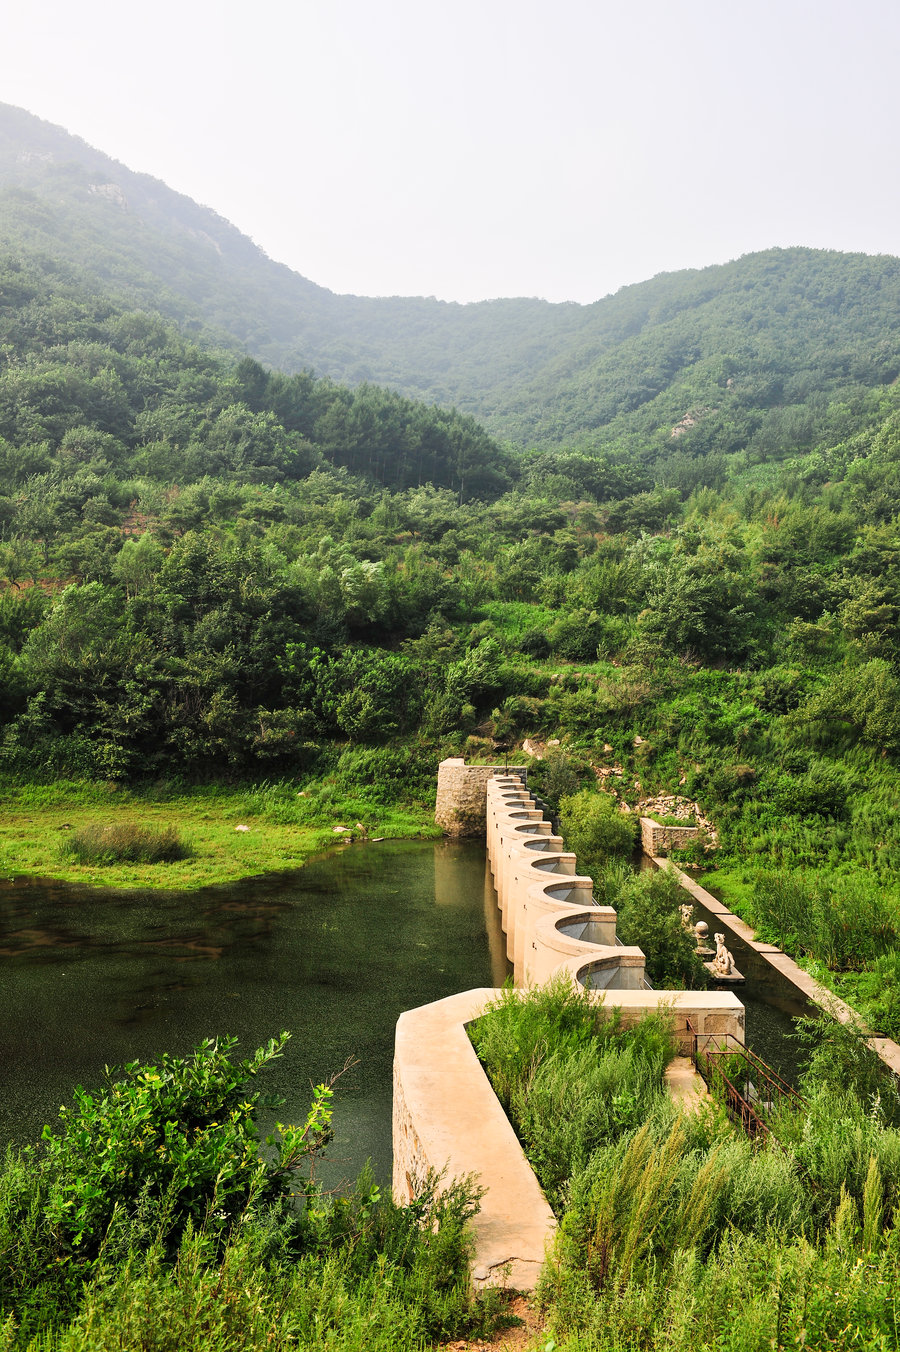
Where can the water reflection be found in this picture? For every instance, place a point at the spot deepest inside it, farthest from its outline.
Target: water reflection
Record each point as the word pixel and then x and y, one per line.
pixel 334 952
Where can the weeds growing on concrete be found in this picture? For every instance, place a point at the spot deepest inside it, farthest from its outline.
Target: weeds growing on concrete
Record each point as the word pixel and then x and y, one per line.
pixel 677 1232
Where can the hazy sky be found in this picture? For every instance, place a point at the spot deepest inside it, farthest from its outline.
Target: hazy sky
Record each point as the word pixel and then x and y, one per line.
pixel 485 148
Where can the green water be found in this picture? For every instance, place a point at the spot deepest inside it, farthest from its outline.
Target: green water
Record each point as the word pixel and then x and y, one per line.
pixel 334 953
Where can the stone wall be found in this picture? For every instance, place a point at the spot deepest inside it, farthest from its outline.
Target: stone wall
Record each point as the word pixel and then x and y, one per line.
pixel 462 795
pixel 656 839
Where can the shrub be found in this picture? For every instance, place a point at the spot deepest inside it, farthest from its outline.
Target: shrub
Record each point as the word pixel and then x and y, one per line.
pixel 158 1151
pixel 821 792
pixel 557 776
pixel 576 636
pixel 126 843
pixel 535 643
pixel 649 916
pixel 595 829
pixel 732 782
pixel 152 1218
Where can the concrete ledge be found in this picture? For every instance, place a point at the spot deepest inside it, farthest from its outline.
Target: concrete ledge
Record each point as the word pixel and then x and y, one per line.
pixel 447 1116
pixel 813 990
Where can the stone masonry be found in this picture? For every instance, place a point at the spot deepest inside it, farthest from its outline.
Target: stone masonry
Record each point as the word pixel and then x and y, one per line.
pixel 656 839
pixel 462 795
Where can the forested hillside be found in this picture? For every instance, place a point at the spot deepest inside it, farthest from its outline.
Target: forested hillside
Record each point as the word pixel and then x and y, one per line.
pixel 748 354
pixel 688 570
pixel 225 571
pixel 211 570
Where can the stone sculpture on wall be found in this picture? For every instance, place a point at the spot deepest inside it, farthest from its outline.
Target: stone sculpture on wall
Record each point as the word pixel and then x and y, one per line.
pixel 723 963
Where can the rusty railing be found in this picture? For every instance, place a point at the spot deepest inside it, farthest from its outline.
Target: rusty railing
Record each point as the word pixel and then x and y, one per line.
pixel 750 1089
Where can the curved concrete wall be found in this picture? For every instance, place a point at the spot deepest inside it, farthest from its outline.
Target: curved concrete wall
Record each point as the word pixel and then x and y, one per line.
pixel 446 1115
pixel 547 907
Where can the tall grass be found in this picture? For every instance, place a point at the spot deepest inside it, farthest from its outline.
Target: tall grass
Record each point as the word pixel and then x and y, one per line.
pixel 678 1233
pixel 844 922
pixel 569 1075
pixel 125 843
pixel 364 1276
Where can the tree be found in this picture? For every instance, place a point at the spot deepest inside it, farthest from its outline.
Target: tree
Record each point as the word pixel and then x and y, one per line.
pixel 594 828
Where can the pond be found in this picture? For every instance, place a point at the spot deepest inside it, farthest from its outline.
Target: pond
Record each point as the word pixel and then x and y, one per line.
pixel 334 952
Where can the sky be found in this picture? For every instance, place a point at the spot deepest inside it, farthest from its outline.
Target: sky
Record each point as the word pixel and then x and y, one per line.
pixel 471 150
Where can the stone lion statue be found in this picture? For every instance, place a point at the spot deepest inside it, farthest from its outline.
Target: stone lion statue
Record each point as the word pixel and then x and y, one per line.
pixel 723 962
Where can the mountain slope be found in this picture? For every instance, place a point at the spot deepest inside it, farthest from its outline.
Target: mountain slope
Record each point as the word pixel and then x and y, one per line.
pixel 757 349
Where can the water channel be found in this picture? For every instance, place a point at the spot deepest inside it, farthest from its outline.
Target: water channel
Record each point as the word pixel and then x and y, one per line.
pixel 334 952
pixel 772 1004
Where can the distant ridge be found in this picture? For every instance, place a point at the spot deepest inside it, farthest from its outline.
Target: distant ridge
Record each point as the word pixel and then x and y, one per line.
pixel 689 357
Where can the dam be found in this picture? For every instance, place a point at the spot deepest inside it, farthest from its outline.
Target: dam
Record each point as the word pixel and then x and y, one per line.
pixel 446 1116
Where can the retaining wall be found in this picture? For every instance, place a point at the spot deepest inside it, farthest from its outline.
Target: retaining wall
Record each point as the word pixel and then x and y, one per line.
pixel 447 1117
pixel 803 983
pixel 656 839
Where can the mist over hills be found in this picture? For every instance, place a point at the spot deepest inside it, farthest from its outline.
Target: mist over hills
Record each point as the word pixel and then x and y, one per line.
pixel 753 352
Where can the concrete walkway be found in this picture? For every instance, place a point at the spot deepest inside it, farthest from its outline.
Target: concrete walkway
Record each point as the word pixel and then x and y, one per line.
pixel 447 1117
pixel 685 1085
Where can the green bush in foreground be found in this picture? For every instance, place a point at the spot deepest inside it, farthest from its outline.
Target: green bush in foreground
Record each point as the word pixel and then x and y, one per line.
pixel 126 843
pixel 150 1219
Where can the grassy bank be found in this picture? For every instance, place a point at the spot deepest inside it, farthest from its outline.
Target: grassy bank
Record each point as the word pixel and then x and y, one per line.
pixel 286 824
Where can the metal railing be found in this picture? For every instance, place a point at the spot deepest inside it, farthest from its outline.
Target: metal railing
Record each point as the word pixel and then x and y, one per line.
pixel 751 1090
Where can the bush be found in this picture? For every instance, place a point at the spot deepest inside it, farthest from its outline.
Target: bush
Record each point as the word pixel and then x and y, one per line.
pixel 576 636
pixel 150 1219
pixel 126 843
pixel 535 643
pixel 732 782
pixel 161 1150
pixel 821 792
pixel 649 916
pixel 556 777
pixel 595 829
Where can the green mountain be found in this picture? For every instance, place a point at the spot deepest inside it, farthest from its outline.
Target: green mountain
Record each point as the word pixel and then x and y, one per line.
pixel 749 354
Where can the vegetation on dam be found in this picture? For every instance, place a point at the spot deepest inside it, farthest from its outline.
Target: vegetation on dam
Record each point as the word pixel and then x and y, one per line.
pixel 678 1232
